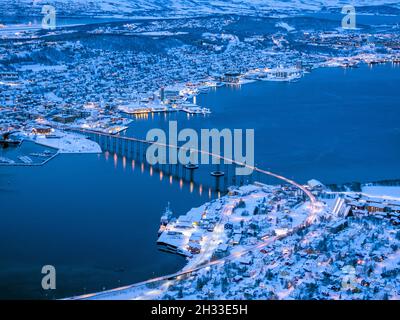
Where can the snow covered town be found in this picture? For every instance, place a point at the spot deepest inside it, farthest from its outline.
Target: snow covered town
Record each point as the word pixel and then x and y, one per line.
pixel 87 77
pixel 254 244
pixel 258 241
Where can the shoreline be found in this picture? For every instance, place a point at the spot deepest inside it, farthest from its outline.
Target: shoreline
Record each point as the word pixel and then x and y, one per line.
pixel 225 208
pixel 136 292
pixel 139 283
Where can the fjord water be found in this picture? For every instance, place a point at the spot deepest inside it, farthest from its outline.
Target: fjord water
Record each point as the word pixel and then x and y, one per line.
pixel 336 125
pixel 95 217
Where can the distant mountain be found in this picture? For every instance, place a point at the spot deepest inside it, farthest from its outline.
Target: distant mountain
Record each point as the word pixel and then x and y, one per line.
pixel 168 8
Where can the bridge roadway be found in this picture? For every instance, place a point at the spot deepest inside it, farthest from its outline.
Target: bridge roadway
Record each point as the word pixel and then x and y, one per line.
pixel 267 241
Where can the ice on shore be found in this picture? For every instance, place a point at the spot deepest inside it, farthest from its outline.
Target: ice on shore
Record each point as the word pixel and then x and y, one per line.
pixel 67 142
pixel 382 191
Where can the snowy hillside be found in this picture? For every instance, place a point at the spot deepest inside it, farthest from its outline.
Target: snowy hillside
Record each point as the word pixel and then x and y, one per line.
pixel 177 7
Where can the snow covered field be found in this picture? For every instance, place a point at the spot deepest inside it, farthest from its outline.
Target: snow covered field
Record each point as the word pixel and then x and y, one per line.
pixel 68 143
pixel 383 191
pixel 41 67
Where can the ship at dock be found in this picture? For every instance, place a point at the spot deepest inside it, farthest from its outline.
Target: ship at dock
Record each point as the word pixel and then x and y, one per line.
pixel 172 244
pixel 165 219
pixel 192 108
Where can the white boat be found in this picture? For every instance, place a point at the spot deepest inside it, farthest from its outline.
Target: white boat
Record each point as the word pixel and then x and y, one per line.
pixel 166 216
pixel 159 108
pixel 39 155
pixel 205 110
pixel 194 109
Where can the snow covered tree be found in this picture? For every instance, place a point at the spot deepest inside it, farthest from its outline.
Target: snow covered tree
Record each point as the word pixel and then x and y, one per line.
pixel 180 293
pixel 224 284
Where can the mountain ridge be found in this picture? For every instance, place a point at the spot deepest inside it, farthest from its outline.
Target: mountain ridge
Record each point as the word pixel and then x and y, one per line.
pixel 168 8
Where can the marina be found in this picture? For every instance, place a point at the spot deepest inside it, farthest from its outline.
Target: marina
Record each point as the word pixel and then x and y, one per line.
pixel 26 154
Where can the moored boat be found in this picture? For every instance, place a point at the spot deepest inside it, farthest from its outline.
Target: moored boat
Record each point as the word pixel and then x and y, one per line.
pixel 165 218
